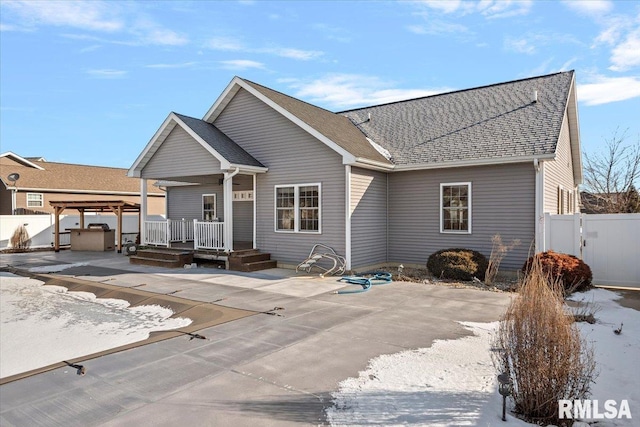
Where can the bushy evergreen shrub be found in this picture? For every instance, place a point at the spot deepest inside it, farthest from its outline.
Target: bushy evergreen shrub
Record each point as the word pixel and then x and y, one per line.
pixel 570 271
pixel 458 264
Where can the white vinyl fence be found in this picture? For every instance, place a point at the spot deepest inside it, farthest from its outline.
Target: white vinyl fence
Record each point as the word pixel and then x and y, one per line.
pixel 41 228
pixel 608 243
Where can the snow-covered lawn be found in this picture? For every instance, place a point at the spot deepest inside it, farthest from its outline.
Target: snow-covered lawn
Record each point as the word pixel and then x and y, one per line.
pixel 42 325
pixel 453 382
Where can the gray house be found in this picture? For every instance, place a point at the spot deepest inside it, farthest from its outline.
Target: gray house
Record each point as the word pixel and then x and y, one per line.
pixel 389 183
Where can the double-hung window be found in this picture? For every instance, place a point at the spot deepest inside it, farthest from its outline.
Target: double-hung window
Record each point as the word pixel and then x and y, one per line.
pixel 209 207
pixel 298 208
pixel 455 207
pixel 35 200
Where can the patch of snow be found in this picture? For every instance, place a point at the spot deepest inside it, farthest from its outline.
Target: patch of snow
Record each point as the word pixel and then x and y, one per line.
pixel 453 382
pixel 41 325
pixel 380 149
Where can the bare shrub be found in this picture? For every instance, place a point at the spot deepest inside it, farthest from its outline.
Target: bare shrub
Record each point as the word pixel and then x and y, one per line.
pixel 498 251
pixel 541 349
pixel 20 238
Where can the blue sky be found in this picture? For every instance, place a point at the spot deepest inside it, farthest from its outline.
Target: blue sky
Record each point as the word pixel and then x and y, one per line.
pixel 91 81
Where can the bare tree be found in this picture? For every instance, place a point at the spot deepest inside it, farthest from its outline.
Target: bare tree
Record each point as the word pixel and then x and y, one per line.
pixel 611 177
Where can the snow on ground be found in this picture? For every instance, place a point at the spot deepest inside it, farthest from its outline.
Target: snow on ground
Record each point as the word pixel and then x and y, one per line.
pixel 41 325
pixel 453 382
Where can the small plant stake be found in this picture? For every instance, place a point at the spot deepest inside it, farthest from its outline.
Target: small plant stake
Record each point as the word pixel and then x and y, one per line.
pixel 505 385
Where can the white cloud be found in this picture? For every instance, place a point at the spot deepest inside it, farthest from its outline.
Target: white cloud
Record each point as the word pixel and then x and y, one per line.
pixel 88 15
pixel 449 6
pixel 627 54
pixel 96 16
pixel 604 90
pixel 241 64
pixel 107 73
pixel 349 90
pixel 589 7
pixel 504 8
pixel 435 27
pixel 225 43
pixel 519 45
pixel 176 65
pixel 303 55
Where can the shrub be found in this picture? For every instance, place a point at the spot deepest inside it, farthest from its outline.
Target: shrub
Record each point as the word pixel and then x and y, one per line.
pixel 571 272
pixel 457 264
pixel 20 238
pixel 498 251
pixel 542 351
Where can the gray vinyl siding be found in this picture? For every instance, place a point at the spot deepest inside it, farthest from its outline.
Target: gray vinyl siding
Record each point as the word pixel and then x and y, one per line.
pixel 368 217
pixel 293 157
pixel 186 202
pixel 180 155
pixel 502 202
pixel 559 172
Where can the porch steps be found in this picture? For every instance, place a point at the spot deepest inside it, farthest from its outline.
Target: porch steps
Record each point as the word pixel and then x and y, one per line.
pixel 250 260
pixel 162 258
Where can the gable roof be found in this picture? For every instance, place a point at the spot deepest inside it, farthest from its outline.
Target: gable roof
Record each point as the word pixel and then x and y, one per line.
pixel 22 160
pixel 71 178
pixel 489 124
pixel 336 131
pixel 212 139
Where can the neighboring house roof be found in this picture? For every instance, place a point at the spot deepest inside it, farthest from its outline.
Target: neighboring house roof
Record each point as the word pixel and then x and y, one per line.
pixel 70 178
pixel 220 142
pixel 488 123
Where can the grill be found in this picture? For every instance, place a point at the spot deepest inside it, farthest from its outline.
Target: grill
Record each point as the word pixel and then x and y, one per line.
pixel 103 226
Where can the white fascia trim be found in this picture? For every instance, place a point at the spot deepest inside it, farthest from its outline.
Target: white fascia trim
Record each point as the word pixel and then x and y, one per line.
pixel 372 164
pixel 222 101
pixel 64 190
pixel 347 158
pixel 248 169
pixel 161 183
pixel 136 168
pixel 21 159
pixel 476 162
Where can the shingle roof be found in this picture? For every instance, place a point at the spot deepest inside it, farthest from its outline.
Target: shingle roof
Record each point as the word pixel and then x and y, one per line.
pixel 489 122
pixel 220 142
pixel 65 176
pixel 336 127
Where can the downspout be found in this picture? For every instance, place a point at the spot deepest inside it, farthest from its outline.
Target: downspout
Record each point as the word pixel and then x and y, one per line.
pixel 228 208
pixel 539 206
pixel 347 223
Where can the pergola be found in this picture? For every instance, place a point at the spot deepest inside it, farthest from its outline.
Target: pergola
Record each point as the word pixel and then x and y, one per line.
pixel 118 207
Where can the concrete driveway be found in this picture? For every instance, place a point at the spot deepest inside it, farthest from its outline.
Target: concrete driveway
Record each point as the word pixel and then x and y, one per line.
pixel 264 370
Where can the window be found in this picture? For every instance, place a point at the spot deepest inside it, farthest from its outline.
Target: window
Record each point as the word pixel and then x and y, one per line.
pixel 209 207
pixel 455 207
pixel 35 200
pixel 298 208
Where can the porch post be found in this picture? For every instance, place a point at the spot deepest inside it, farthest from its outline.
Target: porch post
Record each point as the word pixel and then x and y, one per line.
pixel 228 209
pixel 255 244
pixel 143 210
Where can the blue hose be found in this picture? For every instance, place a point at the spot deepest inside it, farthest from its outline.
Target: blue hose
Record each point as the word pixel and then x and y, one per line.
pixel 376 278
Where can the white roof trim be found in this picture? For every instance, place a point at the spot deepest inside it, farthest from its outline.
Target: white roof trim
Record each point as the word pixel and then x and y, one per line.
pixel 237 83
pixel 574 132
pixel 75 191
pixel 20 159
pixel 475 162
pixel 138 165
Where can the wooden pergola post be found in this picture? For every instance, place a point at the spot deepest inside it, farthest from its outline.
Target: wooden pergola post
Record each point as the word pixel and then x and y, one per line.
pixel 56 244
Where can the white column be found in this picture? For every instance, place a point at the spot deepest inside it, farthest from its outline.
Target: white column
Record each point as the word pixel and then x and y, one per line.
pixel 143 210
pixel 255 218
pixel 228 210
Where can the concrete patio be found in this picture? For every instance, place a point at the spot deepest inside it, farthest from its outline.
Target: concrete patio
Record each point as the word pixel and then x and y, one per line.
pixel 265 370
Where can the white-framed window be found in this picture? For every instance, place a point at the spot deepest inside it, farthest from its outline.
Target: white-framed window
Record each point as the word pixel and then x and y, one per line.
pixel 455 207
pixel 35 200
pixel 209 207
pixel 298 208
